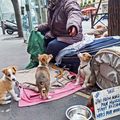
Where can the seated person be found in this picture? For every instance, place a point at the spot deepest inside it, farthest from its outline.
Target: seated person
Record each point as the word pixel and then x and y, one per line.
pixel 64 26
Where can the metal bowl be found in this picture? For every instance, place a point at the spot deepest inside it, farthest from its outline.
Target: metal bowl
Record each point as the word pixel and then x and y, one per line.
pixel 78 112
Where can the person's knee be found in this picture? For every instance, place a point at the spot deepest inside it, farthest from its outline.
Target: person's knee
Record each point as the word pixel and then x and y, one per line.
pixel 55 46
pixel 52 48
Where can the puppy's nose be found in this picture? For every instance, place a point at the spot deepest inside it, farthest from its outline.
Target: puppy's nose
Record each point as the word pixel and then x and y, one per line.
pixel 80 54
pixel 13 79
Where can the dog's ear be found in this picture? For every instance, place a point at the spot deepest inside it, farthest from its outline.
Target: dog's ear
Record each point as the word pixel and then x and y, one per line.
pixel 40 58
pixel 14 68
pixel 49 58
pixel 90 57
pixel 43 60
pixel 4 71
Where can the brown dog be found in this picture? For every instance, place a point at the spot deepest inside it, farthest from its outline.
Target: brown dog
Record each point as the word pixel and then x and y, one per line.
pixel 7 84
pixel 42 75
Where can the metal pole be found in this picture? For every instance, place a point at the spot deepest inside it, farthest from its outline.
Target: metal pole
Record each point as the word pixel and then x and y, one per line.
pixel 41 6
pixel 92 24
pixel 38 11
pixel 2 26
pixel 27 4
pixel 97 12
pixel 1 16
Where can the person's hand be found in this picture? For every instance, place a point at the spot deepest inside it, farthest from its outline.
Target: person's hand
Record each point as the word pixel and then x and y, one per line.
pixel 36 28
pixel 48 35
pixel 72 31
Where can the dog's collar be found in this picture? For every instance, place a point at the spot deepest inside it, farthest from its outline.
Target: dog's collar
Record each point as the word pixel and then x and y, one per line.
pixel 81 67
pixel 42 65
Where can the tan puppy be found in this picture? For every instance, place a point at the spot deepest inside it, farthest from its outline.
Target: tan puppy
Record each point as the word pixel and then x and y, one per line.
pixel 84 69
pixel 43 75
pixel 7 84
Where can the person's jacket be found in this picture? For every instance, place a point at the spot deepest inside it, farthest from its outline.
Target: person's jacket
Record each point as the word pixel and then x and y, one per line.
pixel 66 14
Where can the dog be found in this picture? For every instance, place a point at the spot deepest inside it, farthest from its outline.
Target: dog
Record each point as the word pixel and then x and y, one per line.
pixel 7 84
pixel 42 75
pixel 99 31
pixel 84 70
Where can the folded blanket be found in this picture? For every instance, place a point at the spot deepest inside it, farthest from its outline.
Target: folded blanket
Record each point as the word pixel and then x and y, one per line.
pixel 29 97
pixel 60 87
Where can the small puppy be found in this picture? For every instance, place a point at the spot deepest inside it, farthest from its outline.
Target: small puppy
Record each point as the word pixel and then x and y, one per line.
pixel 84 69
pixel 7 83
pixel 42 75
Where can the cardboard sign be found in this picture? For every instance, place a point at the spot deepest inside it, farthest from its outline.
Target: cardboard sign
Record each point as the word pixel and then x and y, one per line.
pixel 107 103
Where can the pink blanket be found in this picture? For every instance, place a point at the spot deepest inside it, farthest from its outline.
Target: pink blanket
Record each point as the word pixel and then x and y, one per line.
pixel 29 97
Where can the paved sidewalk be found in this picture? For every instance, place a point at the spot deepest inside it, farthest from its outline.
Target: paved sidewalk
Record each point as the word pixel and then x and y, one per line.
pixel 13 52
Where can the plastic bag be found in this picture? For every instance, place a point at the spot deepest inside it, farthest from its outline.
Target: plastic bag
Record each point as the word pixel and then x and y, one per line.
pixel 35 47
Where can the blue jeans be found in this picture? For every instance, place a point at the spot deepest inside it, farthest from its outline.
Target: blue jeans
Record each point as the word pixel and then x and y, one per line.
pixel 55 46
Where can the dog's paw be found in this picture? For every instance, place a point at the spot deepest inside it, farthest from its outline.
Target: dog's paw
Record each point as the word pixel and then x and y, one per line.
pixel 7 102
pixel 17 98
pixel 7 97
pixel 49 97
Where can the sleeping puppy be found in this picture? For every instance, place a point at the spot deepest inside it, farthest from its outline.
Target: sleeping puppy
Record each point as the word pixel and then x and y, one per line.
pixel 7 84
pixel 84 70
pixel 42 75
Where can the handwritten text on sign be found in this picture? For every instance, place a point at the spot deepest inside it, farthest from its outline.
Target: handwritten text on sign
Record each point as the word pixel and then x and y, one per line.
pixel 107 103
